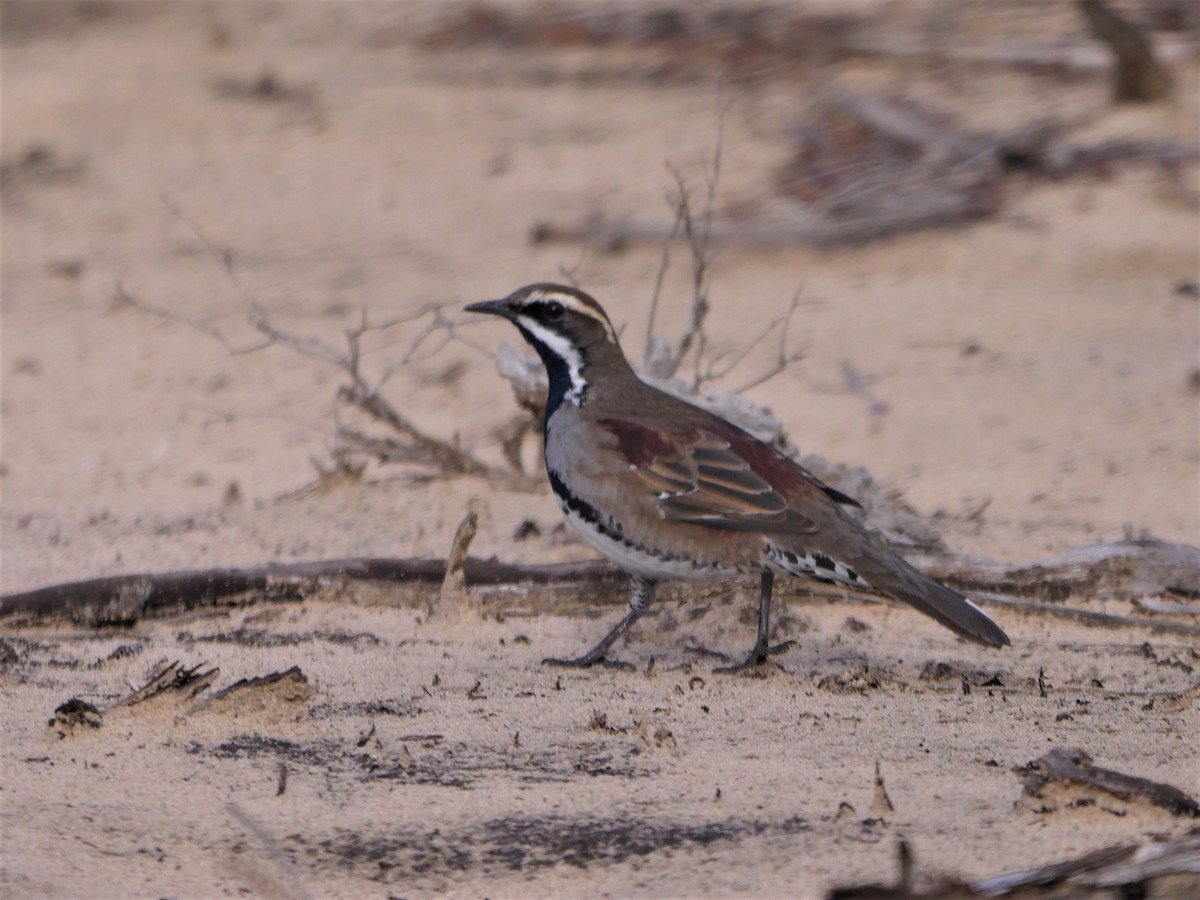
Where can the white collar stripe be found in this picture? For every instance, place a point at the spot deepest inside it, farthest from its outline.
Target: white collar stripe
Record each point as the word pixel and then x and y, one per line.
pixel 564 350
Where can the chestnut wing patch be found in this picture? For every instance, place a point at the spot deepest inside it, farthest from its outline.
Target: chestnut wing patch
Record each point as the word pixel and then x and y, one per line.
pixel 698 477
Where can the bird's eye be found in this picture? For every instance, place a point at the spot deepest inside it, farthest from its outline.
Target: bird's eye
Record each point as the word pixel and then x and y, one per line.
pixel 554 310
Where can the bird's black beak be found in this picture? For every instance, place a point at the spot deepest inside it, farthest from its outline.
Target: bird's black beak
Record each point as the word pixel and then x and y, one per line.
pixel 500 308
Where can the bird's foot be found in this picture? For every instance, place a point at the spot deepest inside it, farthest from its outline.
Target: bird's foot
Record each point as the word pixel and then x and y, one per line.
pixel 587 661
pixel 757 657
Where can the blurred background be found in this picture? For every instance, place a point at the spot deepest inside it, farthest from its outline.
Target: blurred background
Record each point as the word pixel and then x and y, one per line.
pixel 982 218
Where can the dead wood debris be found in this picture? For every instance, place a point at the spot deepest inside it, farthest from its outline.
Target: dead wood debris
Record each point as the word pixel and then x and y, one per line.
pixel 74 715
pixel 1122 570
pixel 666 42
pixel 171 680
pixel 122 600
pixel 91 602
pixel 179 685
pixel 1074 770
pixel 686 42
pixel 866 167
pixel 286 687
pixel 1159 866
pixel 1137 75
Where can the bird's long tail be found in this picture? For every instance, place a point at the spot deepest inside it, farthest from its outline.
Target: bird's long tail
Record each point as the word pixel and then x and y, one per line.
pixel 900 580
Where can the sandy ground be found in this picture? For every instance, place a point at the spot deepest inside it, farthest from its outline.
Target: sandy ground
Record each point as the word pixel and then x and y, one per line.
pixel 426 753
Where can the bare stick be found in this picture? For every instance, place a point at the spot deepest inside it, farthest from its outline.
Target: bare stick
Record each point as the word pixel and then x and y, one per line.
pixel 664 265
pixel 783 359
pixel 125 599
pixel 203 327
pixel 714 171
pixel 1138 76
pixel 306 346
pixel 699 240
pixel 698 244
pixel 414 445
pixel 454 586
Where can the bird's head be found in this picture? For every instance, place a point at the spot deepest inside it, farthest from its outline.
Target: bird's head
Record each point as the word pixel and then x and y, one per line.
pixel 569 330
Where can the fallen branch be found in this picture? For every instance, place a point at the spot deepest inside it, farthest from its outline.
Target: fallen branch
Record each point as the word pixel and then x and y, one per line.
pixel 1125 569
pixel 1074 769
pixel 1131 869
pixel 125 599
pixel 1087 616
pixel 1159 866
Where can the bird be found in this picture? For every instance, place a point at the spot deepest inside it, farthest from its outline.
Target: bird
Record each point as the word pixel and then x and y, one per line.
pixel 669 491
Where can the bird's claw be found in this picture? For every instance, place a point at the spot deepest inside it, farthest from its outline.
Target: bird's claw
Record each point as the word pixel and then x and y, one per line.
pixel 757 657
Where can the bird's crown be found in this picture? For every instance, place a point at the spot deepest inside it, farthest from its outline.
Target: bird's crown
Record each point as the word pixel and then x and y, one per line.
pixel 548 304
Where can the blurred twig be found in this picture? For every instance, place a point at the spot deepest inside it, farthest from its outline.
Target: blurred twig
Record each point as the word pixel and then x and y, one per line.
pixel 1138 76
pixel 407 442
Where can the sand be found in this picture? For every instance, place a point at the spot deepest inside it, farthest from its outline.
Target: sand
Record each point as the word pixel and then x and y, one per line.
pixel 1041 362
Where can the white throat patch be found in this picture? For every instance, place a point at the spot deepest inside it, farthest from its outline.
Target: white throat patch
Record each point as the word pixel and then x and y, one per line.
pixel 564 350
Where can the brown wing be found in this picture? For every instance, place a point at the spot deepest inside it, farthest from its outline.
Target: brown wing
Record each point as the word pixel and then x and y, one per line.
pixel 698 477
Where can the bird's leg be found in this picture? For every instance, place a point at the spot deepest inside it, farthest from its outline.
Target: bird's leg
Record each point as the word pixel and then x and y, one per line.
pixel 761 650
pixel 640 597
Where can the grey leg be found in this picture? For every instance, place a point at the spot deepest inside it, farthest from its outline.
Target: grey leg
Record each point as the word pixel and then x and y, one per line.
pixel 640 597
pixel 761 650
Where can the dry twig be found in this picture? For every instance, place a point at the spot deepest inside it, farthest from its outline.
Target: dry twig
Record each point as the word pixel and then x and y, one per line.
pixel 1137 76
pixel 407 442
pixel 454 586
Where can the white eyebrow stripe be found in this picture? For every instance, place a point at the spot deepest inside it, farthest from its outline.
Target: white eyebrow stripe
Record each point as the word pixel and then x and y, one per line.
pixel 576 305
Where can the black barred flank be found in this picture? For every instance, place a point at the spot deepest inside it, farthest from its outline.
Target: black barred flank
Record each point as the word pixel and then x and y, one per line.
pixel 610 527
pixel 585 510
